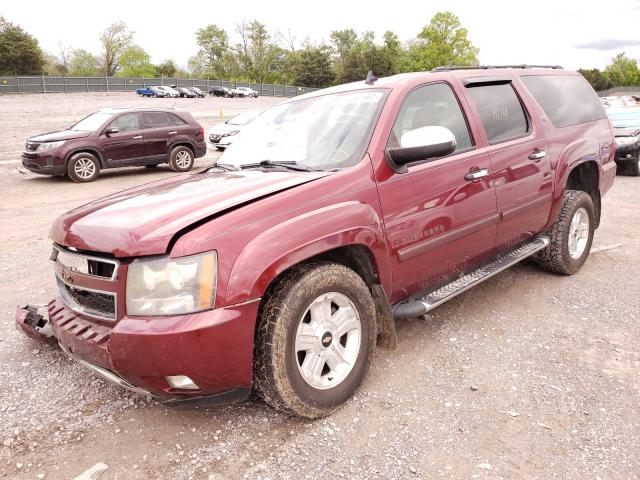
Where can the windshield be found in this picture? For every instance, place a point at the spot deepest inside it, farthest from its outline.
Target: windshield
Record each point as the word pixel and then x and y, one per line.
pixel 242 119
pixel 92 122
pixel 324 132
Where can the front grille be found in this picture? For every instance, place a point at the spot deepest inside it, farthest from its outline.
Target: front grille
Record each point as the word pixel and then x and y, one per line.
pixel 90 302
pixel 85 264
pixel 31 146
pixel 215 138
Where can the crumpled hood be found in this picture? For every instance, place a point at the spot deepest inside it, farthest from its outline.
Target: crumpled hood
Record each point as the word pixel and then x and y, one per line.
pixel 56 136
pixel 143 220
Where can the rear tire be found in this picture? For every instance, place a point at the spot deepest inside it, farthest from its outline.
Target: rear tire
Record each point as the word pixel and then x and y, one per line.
pixel 315 339
pixel 181 159
pixel 83 167
pixel 571 235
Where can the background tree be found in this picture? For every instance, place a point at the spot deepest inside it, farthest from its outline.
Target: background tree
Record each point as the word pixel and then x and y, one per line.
pixel 83 64
pixel 115 40
pixel 598 80
pixel 213 58
pixel 311 66
pixel 20 53
pixel 443 42
pixel 135 62
pixel 167 68
pixel 264 52
pixel 53 65
pixel 623 71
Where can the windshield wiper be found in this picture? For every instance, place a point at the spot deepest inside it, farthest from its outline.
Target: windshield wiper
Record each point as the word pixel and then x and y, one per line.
pixel 289 165
pixel 223 166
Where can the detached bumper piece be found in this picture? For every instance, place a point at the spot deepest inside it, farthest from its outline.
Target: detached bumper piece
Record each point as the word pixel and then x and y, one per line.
pixel 34 325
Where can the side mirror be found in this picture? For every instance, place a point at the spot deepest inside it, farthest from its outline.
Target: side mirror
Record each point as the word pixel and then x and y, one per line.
pixel 110 131
pixel 421 144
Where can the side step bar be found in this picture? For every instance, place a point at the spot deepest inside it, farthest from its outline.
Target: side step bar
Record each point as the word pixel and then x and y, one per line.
pixel 422 303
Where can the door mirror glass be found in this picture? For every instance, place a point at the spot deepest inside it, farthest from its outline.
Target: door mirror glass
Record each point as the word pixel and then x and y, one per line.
pixel 421 144
pixel 110 131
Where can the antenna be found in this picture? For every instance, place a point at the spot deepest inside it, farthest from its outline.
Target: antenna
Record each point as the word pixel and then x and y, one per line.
pixel 371 79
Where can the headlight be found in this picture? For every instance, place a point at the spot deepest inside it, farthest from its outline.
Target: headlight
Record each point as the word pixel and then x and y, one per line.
pixel 625 141
pixel 233 132
pixel 172 286
pixel 49 145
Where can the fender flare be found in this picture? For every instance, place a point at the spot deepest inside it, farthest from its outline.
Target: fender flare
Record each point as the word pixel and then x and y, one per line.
pixel 576 153
pixel 353 223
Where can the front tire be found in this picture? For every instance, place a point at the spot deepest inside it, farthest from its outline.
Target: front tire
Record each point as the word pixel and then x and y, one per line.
pixel 633 165
pixel 181 159
pixel 315 339
pixel 83 167
pixel 571 235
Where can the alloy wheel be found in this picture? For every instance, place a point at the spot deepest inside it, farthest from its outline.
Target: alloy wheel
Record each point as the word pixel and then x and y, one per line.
pixel 578 233
pixel 327 341
pixel 84 168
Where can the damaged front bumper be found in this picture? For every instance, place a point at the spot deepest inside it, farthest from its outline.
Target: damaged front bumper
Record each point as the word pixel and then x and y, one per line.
pixel 34 324
pixel 213 348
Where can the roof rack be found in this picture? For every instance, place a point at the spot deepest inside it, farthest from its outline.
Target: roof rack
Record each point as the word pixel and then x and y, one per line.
pixel 487 67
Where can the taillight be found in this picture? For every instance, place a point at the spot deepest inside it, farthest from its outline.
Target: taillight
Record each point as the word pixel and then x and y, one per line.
pixel 201 131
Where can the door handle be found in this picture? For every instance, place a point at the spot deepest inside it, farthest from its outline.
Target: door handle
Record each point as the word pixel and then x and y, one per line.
pixel 537 155
pixel 476 174
pixel 173 133
pixel 137 137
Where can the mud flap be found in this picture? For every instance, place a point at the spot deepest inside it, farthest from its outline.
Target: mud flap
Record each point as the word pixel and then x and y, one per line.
pixel 34 325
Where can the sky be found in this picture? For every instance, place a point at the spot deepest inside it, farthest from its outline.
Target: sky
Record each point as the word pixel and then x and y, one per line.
pixel 571 33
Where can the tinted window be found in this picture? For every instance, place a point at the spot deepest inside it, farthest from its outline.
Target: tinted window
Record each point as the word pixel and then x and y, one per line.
pixel 429 106
pixel 566 99
pixel 126 123
pixel 501 112
pixel 156 119
pixel 176 120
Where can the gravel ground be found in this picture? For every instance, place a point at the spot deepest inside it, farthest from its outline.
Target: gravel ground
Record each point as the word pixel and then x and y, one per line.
pixel 529 375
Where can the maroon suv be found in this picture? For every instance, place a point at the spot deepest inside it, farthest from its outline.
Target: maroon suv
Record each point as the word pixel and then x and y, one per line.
pixel 333 215
pixel 117 137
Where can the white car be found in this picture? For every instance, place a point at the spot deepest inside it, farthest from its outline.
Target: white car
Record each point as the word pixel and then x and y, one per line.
pixel 222 134
pixel 171 92
pixel 245 92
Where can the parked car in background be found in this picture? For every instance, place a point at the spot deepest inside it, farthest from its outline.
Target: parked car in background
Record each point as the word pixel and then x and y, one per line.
pixel 184 92
pixel 245 92
pixel 171 92
pixel 334 215
pixel 199 93
pixel 223 134
pixel 151 92
pixel 221 92
pixel 626 127
pixel 117 137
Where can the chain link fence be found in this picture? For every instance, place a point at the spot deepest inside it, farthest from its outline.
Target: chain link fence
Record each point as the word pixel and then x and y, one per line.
pixel 47 84
pixel 620 91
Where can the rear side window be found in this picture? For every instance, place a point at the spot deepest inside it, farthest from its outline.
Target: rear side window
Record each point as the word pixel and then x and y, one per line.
pixel 501 112
pixel 156 119
pixel 176 120
pixel 566 99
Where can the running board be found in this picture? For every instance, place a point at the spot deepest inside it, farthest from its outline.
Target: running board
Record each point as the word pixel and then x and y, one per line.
pixel 422 303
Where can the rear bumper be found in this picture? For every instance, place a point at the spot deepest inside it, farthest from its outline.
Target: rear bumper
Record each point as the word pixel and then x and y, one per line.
pixel 213 348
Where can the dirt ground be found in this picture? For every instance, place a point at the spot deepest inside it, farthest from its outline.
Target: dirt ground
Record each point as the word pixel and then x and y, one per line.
pixel 529 375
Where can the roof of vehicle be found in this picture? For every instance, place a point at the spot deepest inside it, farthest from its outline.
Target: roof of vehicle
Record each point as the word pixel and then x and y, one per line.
pixel 114 110
pixel 442 73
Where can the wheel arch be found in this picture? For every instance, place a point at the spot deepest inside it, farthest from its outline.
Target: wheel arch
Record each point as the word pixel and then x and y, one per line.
pixel 92 150
pixel 184 143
